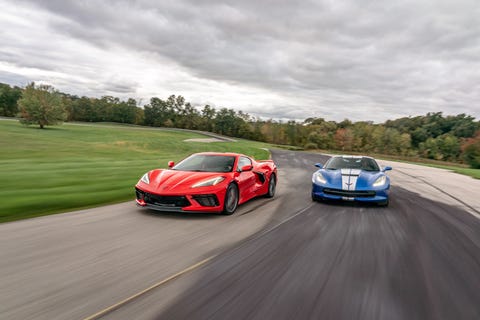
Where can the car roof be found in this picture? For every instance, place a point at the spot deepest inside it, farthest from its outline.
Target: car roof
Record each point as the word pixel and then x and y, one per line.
pixel 219 154
pixel 352 156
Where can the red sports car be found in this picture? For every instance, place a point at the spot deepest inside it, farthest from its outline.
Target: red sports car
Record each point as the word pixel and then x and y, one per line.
pixel 207 182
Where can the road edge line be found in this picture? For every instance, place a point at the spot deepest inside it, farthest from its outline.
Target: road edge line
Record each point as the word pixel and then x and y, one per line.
pixel 474 212
pixel 154 286
pixel 191 268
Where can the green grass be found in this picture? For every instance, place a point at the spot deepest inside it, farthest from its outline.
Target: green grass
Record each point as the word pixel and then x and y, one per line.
pixel 76 166
pixel 474 173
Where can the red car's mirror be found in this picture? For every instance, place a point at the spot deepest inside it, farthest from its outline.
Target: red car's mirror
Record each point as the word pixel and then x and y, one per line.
pixel 171 164
pixel 248 167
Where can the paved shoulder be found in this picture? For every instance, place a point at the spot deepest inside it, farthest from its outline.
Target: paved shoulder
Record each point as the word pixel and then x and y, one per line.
pixel 438 184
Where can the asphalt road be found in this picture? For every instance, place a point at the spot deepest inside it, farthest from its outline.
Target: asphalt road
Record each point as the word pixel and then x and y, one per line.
pixel 285 258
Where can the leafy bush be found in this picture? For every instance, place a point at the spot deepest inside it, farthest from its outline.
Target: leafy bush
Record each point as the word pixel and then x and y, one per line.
pixel 471 152
pixel 310 146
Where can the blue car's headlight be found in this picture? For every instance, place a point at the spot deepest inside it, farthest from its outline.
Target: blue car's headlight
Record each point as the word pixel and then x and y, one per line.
pixel 145 178
pixel 381 181
pixel 318 178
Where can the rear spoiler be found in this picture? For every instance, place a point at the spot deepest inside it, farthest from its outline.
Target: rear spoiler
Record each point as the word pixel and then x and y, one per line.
pixel 265 160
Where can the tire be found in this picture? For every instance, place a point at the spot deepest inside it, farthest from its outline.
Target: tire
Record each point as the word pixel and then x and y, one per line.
pixel 231 199
pixel 272 186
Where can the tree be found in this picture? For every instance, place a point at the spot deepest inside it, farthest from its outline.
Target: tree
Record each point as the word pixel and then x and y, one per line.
pixel 155 113
pixel 435 124
pixel 320 133
pixel 8 100
pixel 208 116
pixel 227 122
pixel 82 109
pixel 41 105
pixel 471 151
pixel 405 144
pixel 139 116
pixel 464 126
pixel 419 135
pixel 449 147
pixel 429 149
pixel 343 139
pixel 123 111
pixel 391 141
pixel 190 118
pixel 362 132
pixel 175 109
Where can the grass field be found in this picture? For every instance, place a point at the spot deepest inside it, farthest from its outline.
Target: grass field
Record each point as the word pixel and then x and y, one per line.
pixel 474 173
pixel 75 166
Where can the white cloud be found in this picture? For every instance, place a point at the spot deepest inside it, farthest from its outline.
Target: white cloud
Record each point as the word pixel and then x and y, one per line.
pixel 287 60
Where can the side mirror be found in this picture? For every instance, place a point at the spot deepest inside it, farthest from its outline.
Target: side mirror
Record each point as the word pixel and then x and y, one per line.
pixel 318 165
pixel 387 168
pixel 171 164
pixel 248 167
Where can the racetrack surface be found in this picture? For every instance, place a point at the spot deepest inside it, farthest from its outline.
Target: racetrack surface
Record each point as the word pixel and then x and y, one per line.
pixel 285 258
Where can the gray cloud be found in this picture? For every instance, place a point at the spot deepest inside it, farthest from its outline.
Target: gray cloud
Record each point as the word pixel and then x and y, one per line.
pixel 14 79
pixel 363 60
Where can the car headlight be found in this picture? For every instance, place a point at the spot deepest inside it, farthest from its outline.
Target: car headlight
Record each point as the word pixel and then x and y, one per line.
pixel 209 182
pixel 145 178
pixel 318 178
pixel 380 181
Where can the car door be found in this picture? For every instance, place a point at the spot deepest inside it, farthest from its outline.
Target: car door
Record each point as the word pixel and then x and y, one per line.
pixel 245 179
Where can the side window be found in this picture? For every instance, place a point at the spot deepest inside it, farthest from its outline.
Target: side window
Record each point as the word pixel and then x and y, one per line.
pixel 243 161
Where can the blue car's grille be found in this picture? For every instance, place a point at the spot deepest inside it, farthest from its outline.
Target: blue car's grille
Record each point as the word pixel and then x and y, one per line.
pixel 350 193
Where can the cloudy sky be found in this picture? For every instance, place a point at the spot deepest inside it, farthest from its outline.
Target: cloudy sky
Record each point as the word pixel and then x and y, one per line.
pixel 362 60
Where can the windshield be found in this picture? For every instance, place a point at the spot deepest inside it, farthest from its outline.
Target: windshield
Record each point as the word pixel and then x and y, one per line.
pixel 362 163
pixel 206 163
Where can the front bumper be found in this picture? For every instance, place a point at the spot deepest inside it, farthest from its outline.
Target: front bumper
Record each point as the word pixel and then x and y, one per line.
pixel 374 195
pixel 198 202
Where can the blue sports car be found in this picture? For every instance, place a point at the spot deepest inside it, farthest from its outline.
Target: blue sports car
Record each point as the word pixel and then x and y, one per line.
pixel 351 178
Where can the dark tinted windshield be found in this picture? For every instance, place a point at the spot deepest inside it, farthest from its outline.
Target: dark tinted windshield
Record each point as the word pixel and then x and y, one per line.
pixel 206 163
pixel 367 164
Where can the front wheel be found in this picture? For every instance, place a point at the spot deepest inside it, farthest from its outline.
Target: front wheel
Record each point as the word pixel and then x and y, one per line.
pixel 272 186
pixel 231 199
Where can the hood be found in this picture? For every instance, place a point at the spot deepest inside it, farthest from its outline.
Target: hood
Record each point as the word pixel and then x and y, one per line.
pixel 173 180
pixel 350 179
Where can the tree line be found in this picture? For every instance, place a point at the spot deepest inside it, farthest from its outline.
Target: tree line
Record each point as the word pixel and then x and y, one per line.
pixel 454 138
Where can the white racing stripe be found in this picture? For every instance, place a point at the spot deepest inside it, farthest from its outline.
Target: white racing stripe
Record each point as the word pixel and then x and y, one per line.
pixel 349 178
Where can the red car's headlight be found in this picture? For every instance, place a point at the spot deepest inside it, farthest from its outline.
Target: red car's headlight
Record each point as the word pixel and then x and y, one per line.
pixel 145 178
pixel 209 182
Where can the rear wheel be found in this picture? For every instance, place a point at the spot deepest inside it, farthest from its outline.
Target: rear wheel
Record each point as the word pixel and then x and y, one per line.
pixel 272 186
pixel 231 199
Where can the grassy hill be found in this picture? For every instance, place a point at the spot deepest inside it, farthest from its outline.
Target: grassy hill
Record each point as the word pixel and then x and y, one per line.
pixel 77 166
